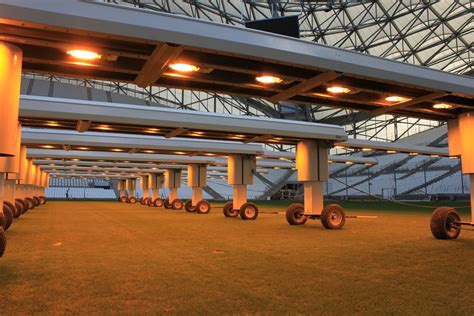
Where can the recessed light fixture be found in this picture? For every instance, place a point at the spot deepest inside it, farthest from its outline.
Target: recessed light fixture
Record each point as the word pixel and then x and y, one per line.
pixel 337 89
pixel 47 146
pixel 182 67
pixel 349 163
pixel 152 130
pixel 269 79
pixel 52 123
pixel 413 154
pixel 366 149
pixel 339 147
pixel 149 151
pixel 83 148
pixel 442 106
pixel 396 98
pixel 180 153
pixel 104 127
pixel 83 54
pixel 391 151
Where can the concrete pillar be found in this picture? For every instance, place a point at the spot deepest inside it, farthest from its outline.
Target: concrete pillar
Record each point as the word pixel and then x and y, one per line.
pixel 11 167
pixel 240 171
pixel 173 183
pixel 197 179
pixel 121 187
pixel 313 169
pixel 131 185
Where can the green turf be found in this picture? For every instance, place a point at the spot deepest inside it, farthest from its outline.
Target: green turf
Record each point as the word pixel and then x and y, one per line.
pixel 107 258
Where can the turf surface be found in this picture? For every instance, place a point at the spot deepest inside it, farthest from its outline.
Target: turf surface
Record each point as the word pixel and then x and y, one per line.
pixel 107 258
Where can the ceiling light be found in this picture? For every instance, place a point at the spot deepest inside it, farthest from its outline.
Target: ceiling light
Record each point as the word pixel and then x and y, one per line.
pixel 179 153
pixel 47 146
pixel 83 148
pixel 117 149
pixel 442 106
pixel 149 151
pixel 413 154
pixel 268 79
pixel 104 127
pixel 366 149
pixel 84 54
pixel 396 98
pixel 152 130
pixel 52 123
pixel 339 147
pixel 336 89
pixel 391 151
pixel 349 162
pixel 184 67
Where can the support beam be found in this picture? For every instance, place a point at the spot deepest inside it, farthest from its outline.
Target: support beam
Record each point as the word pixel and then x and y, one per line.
pixel 257 139
pixel 176 132
pixel 404 105
pixel 306 85
pixel 157 64
pixel 82 126
pixel 133 150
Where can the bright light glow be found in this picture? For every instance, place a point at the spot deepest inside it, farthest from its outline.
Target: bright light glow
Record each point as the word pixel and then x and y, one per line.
pixel 339 147
pixel 349 162
pixel 172 74
pixel 152 130
pixel 104 127
pixel 396 98
pixel 453 157
pixel 179 153
pixel 117 149
pixel 47 146
pixel 434 156
pixel 84 54
pixel 366 149
pixel 184 67
pixel 269 79
pixel 75 159
pixel 52 123
pixel 336 89
pixel 83 148
pixel 391 151
pixel 149 151
pixel 277 139
pixel 442 106
pixel 413 154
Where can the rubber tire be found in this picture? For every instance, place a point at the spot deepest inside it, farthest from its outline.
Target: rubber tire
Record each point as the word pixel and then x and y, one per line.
pixel 132 200
pixel 15 211
pixel 188 206
pixel 293 214
pixel 440 219
pixel 24 204
pixel 203 207
pixel 166 204
pixel 123 199
pixel 8 216
pixel 142 201
pixel 177 204
pixel 43 199
pixel 31 204
pixel 229 211
pixel 19 208
pixel 149 202
pixel 37 200
pixel 158 202
pixel 3 242
pixel 326 216
pixel 244 215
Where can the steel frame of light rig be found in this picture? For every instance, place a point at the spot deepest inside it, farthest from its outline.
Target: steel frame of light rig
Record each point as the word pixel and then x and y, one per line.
pixel 326 64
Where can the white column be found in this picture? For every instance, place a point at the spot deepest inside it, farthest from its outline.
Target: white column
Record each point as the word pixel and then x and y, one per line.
pixel 240 171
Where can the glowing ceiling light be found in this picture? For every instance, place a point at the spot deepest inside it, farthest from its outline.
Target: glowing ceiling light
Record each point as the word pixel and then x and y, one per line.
pixel 83 148
pixel 339 147
pixel 182 67
pixel 52 123
pixel 336 89
pixel 442 106
pixel 152 130
pixel 84 54
pixel 149 151
pixel 47 146
pixel 349 163
pixel 104 127
pixel 396 98
pixel 434 156
pixel 366 149
pixel 117 149
pixel 391 151
pixel 180 153
pixel 413 154
pixel 269 79
pixel 75 159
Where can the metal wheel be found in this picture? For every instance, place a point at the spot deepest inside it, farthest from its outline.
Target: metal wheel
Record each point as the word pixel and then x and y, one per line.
pixel 203 207
pixel 443 223
pixel 167 204
pixel 229 211
pixel 294 214
pixel 249 211
pixel 43 199
pixel 123 199
pixel 132 200
pixel 160 202
pixel 333 217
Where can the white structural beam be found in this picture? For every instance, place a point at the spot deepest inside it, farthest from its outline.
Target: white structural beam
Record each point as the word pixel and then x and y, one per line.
pixel 107 113
pixel 393 147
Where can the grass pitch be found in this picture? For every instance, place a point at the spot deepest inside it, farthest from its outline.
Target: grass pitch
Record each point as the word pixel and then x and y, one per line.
pixel 108 257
